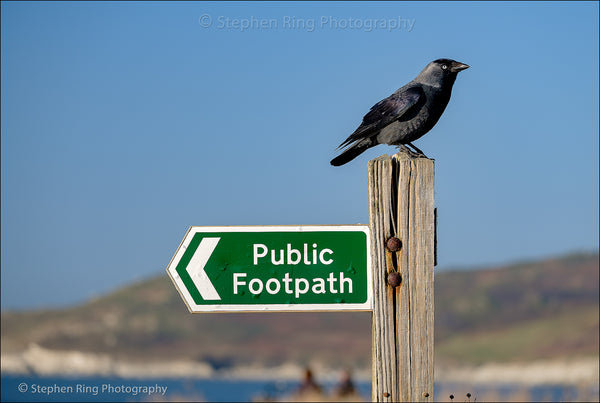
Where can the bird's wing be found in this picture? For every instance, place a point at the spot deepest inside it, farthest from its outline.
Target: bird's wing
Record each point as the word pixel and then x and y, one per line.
pixel 385 112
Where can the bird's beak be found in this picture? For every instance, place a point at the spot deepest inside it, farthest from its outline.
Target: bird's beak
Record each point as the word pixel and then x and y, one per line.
pixel 458 66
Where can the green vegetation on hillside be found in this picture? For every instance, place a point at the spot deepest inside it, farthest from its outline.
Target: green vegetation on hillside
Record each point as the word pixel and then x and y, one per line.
pixel 536 310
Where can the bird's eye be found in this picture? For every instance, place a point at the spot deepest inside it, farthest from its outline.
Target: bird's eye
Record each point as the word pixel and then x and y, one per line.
pixel 444 66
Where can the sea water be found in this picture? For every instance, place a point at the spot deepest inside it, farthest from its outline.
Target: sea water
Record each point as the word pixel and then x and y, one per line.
pixel 16 388
pixel 26 388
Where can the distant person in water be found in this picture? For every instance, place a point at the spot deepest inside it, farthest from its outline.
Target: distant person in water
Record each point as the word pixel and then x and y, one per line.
pixel 346 386
pixel 308 384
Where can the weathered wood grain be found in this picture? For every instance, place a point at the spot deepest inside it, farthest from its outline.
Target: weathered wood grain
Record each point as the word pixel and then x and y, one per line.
pixel 401 204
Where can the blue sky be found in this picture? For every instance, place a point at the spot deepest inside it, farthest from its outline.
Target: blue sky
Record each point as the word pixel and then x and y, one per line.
pixel 122 124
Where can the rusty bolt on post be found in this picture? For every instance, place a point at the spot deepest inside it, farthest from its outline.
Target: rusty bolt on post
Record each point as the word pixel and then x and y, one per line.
pixel 385 394
pixel 425 394
pixel 393 244
pixel 394 279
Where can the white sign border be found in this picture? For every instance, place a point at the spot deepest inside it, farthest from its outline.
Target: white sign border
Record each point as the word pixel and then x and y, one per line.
pixel 195 308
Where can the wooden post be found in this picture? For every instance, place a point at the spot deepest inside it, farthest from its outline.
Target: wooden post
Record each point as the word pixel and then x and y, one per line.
pixel 401 204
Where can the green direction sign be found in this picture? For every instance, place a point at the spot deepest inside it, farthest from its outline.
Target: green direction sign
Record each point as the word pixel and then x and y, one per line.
pixel 274 268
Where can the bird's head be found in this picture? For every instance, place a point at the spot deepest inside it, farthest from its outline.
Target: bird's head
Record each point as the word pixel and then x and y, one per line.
pixel 440 72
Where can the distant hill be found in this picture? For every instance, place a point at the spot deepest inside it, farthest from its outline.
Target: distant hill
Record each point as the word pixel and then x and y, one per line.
pixel 536 310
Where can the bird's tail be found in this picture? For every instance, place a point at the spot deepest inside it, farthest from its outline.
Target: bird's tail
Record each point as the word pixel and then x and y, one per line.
pixel 351 152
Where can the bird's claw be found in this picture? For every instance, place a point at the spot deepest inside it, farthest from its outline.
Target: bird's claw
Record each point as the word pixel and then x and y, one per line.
pixel 414 154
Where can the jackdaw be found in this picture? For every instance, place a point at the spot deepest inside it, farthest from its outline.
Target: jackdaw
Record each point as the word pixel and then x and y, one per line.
pixel 407 114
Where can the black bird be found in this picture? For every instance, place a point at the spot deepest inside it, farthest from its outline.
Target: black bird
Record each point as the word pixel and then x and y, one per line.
pixel 407 114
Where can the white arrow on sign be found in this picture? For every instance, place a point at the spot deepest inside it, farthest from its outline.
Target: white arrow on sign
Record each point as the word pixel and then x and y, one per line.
pixel 196 269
